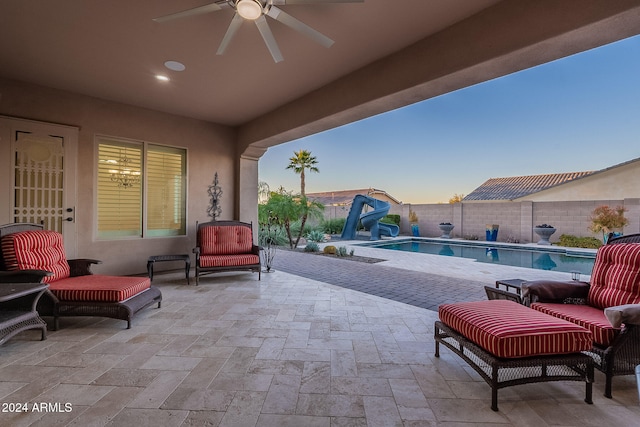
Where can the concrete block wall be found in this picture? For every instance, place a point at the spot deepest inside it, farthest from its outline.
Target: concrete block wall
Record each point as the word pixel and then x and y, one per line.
pixel 515 219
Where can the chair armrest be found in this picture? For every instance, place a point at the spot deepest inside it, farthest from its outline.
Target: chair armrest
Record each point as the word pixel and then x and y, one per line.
pixel 196 250
pixel 628 314
pixel 554 291
pixel 255 249
pixel 24 276
pixel 81 266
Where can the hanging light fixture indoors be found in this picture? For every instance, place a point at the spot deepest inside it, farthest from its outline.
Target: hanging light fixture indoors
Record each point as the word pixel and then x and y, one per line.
pixel 125 176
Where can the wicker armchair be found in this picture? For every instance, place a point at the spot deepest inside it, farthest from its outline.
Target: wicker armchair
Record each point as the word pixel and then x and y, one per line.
pixel 225 246
pixel 609 305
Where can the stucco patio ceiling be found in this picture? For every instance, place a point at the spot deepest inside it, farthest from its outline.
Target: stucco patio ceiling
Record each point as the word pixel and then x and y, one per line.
pixel 387 53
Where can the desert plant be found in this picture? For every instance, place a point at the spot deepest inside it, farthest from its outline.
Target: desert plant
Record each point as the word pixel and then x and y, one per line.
pixel 413 216
pixel 329 249
pixel 333 226
pixel 315 236
pixel 605 219
pixel 312 247
pixel 341 251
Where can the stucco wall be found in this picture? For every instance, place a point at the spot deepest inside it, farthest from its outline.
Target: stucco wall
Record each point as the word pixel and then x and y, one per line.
pixel 210 149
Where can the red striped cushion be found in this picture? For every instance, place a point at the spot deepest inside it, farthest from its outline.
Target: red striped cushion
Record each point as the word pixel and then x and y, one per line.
pixel 225 240
pixel 228 260
pixel 38 250
pixel 586 316
pixel 98 288
pixel 615 279
pixel 510 330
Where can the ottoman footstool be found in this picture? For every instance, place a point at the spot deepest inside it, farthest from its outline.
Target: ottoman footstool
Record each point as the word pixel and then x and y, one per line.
pixel 509 344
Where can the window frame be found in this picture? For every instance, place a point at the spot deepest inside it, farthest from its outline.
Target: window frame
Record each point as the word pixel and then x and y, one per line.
pixel 145 147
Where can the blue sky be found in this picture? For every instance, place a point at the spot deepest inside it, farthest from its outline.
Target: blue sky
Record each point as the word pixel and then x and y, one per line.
pixel 575 114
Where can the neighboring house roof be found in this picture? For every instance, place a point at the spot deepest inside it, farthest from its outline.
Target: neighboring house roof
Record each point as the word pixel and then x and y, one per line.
pixel 345 197
pixel 519 186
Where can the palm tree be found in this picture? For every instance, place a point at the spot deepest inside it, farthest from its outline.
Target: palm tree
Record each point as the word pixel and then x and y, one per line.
pixel 301 161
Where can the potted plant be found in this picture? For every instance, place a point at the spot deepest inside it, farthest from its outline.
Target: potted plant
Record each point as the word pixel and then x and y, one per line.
pixel 446 228
pixel 606 220
pixel 544 231
pixel 413 220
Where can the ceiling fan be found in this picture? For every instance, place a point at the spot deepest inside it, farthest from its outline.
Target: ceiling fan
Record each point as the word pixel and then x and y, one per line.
pixel 256 11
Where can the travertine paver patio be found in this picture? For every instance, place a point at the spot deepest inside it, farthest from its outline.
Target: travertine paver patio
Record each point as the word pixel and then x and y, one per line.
pixel 283 351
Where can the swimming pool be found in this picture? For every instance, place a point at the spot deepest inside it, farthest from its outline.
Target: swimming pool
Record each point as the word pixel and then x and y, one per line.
pixel 552 258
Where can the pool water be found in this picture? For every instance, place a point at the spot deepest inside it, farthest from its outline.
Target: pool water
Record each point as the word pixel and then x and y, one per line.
pixel 543 259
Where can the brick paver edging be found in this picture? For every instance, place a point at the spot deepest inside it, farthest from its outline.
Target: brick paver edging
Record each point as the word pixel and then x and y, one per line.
pixel 411 287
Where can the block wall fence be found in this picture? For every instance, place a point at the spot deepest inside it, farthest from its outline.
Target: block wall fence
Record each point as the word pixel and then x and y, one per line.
pixel 515 219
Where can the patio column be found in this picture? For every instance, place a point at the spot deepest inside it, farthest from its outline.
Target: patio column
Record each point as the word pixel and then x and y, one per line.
pixel 247 188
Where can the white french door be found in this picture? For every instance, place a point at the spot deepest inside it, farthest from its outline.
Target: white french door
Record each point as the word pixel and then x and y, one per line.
pixel 39 176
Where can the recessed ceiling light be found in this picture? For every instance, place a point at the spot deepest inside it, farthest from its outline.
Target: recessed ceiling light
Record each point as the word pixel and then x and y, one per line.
pixel 175 65
pixel 162 78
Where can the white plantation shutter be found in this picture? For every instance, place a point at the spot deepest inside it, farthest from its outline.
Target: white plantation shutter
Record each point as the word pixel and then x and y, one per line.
pixel 119 207
pixel 166 189
pixel 129 186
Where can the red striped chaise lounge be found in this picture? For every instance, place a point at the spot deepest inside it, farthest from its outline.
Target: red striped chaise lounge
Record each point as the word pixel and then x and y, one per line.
pixel 510 344
pixel 32 254
pixel 225 246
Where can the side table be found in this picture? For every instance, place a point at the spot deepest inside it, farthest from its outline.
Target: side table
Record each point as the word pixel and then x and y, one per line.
pixel 510 283
pixel 18 313
pixel 160 258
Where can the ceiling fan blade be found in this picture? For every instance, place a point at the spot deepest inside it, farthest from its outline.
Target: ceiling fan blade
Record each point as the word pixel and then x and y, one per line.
pixel 236 22
pixel 290 21
pixel 268 38
pixel 200 10
pixel 315 1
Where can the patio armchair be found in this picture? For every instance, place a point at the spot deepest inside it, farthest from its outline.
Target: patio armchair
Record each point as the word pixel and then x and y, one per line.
pixel 31 254
pixel 608 305
pixel 225 246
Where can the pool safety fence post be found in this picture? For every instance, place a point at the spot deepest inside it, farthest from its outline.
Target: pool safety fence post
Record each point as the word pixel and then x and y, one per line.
pixel 492 232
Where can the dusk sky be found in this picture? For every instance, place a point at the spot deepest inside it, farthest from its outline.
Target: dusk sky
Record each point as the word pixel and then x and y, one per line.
pixel 579 113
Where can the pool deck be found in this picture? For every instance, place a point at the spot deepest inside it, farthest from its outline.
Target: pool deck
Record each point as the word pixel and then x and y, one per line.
pixel 287 351
pixel 419 279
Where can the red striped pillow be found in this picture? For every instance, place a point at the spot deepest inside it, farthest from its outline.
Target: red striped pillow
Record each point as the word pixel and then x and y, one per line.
pixel 225 240
pixel 37 250
pixel 615 279
pixel 510 330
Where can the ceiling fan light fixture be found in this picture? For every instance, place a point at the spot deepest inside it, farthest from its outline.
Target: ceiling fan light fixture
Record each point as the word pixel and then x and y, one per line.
pixel 249 9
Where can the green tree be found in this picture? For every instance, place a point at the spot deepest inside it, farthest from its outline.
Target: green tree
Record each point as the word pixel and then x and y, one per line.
pixel 605 219
pixel 301 161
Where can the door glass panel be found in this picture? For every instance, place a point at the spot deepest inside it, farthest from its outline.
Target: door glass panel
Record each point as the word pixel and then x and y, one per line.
pixel 39 178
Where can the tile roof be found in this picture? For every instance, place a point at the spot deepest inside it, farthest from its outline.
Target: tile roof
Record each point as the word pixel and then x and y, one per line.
pixel 519 186
pixel 345 197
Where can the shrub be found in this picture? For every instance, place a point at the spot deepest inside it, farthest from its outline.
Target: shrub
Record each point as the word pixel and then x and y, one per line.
pixel 342 251
pixel 333 226
pixel 312 247
pixel 315 236
pixel 571 241
pixel 329 249
pixel 391 219
pixel 470 237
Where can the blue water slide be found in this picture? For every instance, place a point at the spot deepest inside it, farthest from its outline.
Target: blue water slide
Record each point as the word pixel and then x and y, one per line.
pixel 370 220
